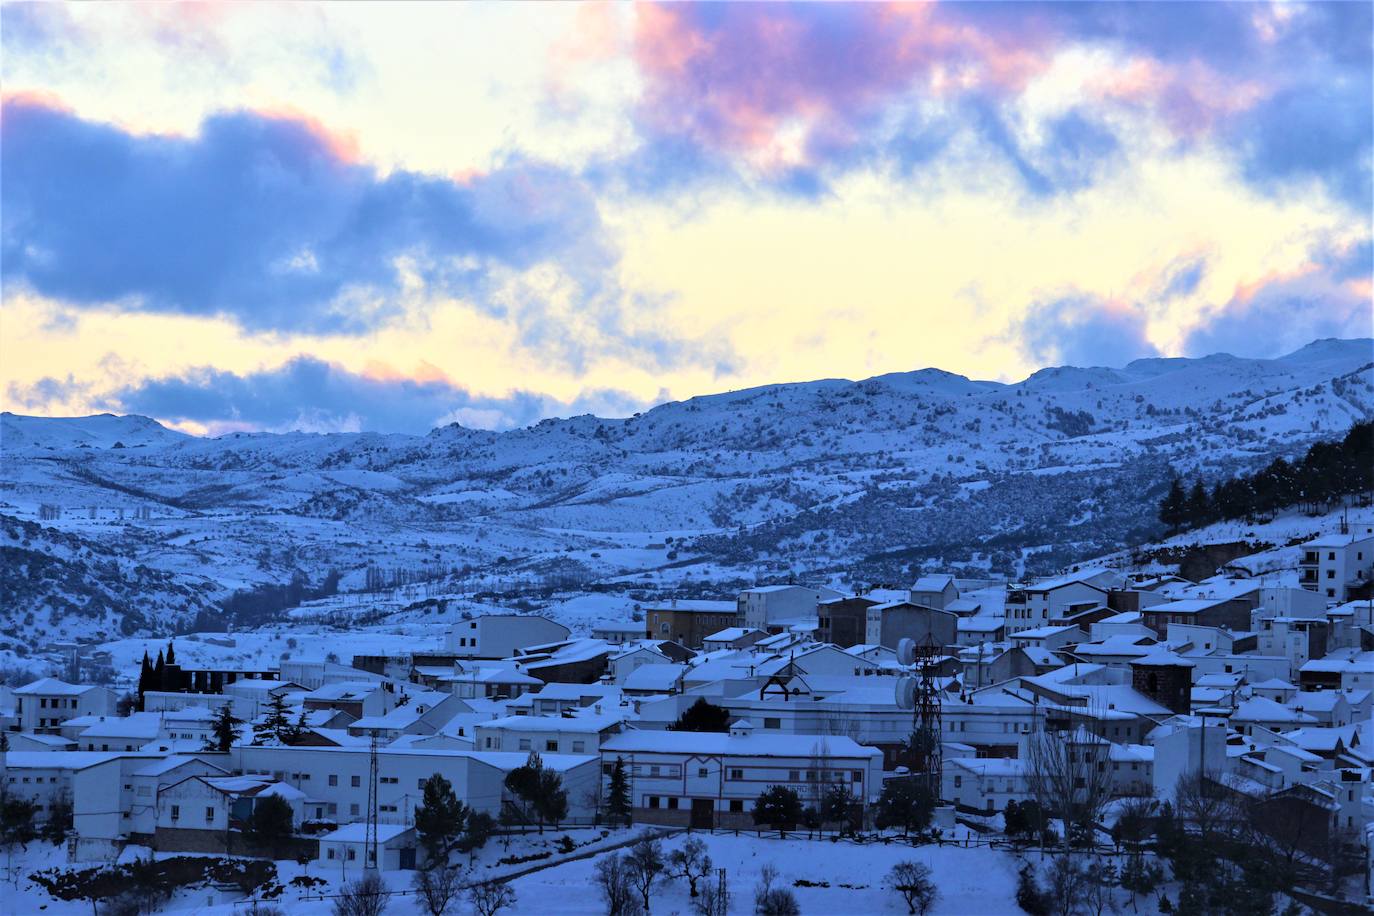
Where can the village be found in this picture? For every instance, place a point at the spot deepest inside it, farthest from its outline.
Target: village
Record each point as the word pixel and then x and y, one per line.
pixel 1072 714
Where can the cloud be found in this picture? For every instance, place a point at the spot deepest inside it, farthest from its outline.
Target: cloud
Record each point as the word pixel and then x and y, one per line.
pixel 792 95
pixel 1313 132
pixel 1181 278
pixel 268 219
pixel 1081 330
pixel 312 395
pixel 1330 295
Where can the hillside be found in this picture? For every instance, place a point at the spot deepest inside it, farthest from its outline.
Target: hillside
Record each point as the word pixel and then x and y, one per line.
pixel 866 481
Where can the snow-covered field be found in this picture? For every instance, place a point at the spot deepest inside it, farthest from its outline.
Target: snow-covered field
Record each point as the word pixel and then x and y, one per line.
pixel 973 880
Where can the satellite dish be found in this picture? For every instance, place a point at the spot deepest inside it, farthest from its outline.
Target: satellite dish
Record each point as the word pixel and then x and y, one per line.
pixel 906 693
pixel 906 651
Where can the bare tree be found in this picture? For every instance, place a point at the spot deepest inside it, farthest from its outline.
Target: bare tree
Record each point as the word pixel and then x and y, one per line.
pixel 490 897
pixel 645 863
pixel 714 899
pixel 438 887
pixel 691 863
pixel 912 881
pixel 1066 882
pixel 612 877
pixel 773 901
pixel 1068 776
pixel 1205 804
pixel 364 897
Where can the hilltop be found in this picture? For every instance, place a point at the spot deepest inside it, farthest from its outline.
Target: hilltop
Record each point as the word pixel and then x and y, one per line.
pixel 119 525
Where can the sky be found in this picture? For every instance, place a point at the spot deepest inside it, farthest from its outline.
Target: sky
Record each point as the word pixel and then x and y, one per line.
pixel 351 216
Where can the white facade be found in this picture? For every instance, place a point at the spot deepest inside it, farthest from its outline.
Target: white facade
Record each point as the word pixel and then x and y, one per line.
pixel 760 606
pixel 45 704
pixel 709 775
pixel 501 635
pixel 1328 565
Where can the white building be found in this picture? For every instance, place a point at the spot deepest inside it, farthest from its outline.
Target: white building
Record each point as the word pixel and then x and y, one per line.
pixel 334 779
pixel 934 591
pixel 501 635
pixel 1336 564
pixel 765 604
pixel 702 779
pixel 1050 599
pixel 548 734
pixel 45 704
pixel 345 848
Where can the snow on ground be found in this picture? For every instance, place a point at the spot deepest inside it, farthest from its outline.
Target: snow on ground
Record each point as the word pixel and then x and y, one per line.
pixel 973 880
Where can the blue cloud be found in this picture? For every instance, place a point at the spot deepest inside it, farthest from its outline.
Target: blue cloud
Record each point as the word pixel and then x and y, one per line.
pixel 262 219
pixel 313 395
pixel 1318 131
pixel 1080 330
pixel 1181 278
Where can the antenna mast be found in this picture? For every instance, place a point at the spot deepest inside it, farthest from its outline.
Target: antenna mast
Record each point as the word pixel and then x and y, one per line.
pixel 370 845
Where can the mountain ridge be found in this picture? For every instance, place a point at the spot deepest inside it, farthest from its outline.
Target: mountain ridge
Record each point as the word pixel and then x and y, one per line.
pixel 849 482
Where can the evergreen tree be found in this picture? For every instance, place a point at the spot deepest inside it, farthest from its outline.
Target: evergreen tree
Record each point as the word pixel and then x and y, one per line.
pixel 1173 508
pixel 271 825
pixel 145 679
pixel 224 731
pixel 274 726
pixel 171 653
pixel 540 790
pixel 779 807
pixel 905 803
pixel 618 802
pixel 702 716
pixel 1199 506
pixel 439 819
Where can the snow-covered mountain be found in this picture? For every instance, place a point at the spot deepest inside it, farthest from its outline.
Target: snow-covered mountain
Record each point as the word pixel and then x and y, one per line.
pixel 865 481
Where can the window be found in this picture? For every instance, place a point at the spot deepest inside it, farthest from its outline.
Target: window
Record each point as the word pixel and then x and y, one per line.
pixel 333 781
pixel 524 744
pixel 355 781
pixel 352 854
pixel 579 747
pixel 737 774
pixel 672 803
pixel 856 776
pixel 209 814
pixel 653 801
pixel 958 781
pixel 701 772
pixel 736 805
pixel 330 853
pixel 551 744
pixel 607 769
pixel 176 812
pixel 353 809
pixel 772 723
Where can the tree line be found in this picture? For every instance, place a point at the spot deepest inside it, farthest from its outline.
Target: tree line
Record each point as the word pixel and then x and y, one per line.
pixel 1327 473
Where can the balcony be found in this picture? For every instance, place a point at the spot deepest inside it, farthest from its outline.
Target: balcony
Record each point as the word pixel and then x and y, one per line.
pixel 1309 558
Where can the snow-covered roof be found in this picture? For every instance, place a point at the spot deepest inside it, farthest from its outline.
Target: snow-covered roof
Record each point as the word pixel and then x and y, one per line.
pixel 581 724
pixel 935 583
pixel 657 678
pixel 357 833
pixel 644 741
pixel 51 686
pixel 693 605
pixel 730 634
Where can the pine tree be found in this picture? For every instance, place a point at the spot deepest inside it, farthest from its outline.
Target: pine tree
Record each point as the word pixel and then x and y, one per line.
pixel 274 725
pixel 439 819
pixel 224 731
pixel 171 653
pixel 618 795
pixel 1199 506
pixel 145 679
pixel 1174 506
